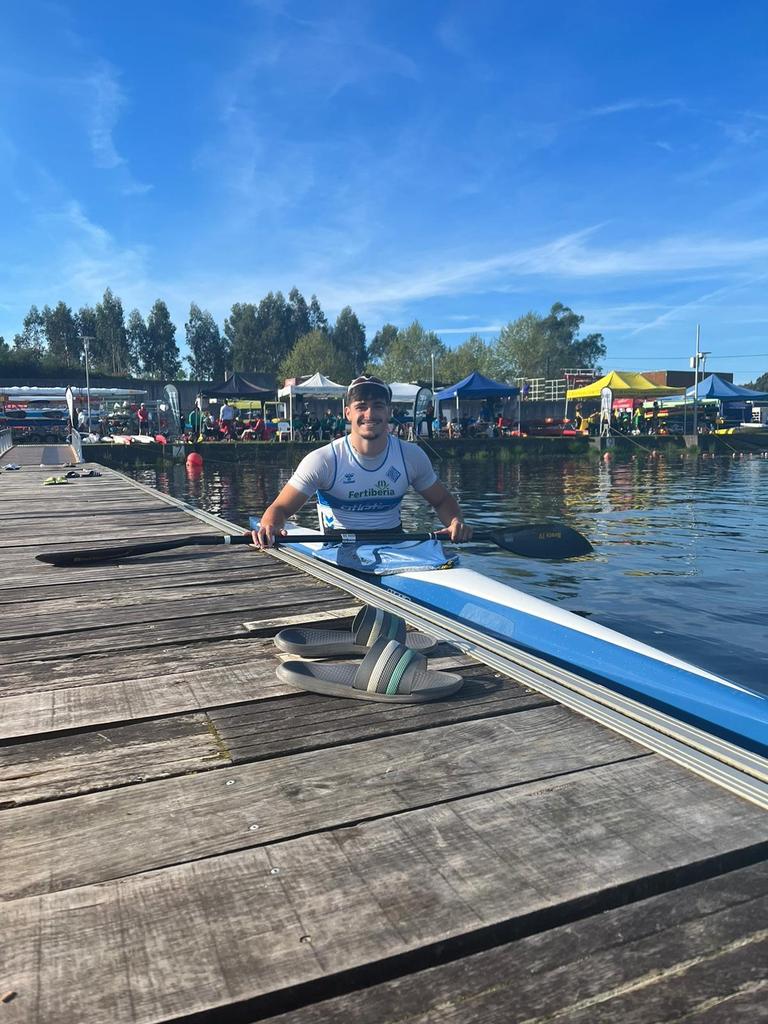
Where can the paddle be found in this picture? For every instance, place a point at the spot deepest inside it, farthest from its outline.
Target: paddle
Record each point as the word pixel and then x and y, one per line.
pixel 541 540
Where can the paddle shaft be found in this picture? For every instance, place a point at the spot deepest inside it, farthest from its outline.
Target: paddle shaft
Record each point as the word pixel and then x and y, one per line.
pixel 530 541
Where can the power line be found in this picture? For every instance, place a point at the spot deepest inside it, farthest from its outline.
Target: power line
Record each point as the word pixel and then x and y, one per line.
pixel 685 359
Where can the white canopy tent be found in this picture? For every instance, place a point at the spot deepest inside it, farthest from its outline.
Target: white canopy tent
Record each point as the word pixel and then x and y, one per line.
pixel 317 386
pixel 403 394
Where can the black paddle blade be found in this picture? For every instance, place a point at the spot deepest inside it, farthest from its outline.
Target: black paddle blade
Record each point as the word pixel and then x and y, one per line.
pixel 542 540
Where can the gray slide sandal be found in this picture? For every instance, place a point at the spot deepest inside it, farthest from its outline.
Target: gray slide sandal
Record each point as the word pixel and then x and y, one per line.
pixel 371 624
pixel 390 672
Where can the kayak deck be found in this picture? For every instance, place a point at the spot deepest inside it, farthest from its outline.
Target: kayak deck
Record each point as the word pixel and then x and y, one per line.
pixel 707 723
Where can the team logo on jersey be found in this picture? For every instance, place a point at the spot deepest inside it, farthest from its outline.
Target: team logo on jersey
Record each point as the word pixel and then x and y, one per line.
pixel 349 478
pixel 394 475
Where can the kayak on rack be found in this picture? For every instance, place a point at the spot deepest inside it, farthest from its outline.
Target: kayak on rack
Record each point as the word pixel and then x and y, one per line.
pixel 421 573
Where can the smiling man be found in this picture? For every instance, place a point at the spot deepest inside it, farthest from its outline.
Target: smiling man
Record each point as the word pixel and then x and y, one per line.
pixel 360 479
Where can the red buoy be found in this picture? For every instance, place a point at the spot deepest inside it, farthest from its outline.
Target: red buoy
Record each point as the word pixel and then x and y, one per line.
pixel 194 459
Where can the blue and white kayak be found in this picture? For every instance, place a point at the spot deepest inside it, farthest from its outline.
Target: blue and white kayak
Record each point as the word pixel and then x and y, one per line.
pixel 626 666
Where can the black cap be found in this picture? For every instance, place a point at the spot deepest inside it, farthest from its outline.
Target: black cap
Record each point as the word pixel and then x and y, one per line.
pixel 368 387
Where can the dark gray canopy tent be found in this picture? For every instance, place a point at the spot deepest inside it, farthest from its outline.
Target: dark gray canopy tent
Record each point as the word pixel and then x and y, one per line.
pixel 238 386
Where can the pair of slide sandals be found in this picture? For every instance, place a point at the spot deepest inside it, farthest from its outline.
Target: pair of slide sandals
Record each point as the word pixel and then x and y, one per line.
pixel 394 669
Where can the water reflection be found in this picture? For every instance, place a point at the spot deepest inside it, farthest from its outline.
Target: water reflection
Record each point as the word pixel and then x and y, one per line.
pixel 680 543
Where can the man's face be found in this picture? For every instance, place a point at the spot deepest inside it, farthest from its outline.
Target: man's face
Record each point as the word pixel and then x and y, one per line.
pixel 369 417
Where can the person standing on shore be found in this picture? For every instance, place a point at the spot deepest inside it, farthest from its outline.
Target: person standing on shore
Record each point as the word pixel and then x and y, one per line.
pixel 429 415
pixel 227 421
pixel 142 414
pixel 360 479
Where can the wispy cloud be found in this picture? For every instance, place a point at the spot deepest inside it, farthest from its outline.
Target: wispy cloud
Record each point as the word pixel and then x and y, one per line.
pixel 686 309
pixel 487 329
pixel 454 34
pixel 630 106
pixel 105 101
pixel 86 257
pixel 569 257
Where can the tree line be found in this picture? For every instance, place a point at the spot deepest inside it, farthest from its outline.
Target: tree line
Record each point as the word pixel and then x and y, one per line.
pixel 286 337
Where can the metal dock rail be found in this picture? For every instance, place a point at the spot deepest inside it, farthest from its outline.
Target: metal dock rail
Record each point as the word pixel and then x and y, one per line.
pixel 182 837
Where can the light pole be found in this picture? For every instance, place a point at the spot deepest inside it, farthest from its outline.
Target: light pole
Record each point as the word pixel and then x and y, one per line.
pixel 695 365
pixel 87 381
pixel 432 356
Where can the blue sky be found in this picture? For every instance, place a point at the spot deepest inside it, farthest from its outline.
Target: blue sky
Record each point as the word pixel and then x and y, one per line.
pixel 460 163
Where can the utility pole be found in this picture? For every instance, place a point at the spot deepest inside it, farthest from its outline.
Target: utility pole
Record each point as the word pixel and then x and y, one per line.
pixel 695 365
pixel 432 355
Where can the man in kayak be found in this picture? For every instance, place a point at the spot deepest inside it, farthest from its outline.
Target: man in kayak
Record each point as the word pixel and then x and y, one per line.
pixel 360 479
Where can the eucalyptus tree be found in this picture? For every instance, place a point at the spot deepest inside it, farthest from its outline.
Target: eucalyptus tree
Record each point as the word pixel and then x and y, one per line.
pixel 380 344
pixel 208 350
pixel 31 340
pixel 162 359
pixel 409 356
pixel 536 346
pixel 315 352
pixel 317 318
pixel 472 354
pixel 65 346
pixel 349 338
pixel 110 352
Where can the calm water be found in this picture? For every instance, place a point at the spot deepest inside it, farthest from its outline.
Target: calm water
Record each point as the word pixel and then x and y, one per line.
pixel 681 545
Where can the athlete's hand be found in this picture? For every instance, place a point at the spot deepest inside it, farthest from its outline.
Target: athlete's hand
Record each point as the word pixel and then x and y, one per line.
pixel 265 536
pixel 457 531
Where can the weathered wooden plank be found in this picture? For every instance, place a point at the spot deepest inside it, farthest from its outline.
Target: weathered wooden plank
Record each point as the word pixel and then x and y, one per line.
pixel 84 520
pixel 310 722
pixel 252 924
pixel 213 677
pixel 112 756
pixel 180 630
pixel 48 696
pixel 116 755
pixel 131 605
pixel 103 535
pixel 11 512
pixel 24 571
pixel 91 838
pixel 680 956
pixel 201 654
pixel 90 592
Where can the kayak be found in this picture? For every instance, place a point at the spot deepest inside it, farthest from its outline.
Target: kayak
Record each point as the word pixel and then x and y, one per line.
pixel 521 622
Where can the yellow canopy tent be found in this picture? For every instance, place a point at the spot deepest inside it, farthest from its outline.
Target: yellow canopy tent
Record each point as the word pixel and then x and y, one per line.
pixel 623 385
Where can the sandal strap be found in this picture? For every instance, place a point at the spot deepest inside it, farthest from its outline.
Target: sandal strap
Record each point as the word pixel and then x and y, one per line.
pixel 389 667
pixel 372 624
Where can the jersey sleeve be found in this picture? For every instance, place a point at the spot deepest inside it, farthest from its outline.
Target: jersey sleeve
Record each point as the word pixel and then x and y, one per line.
pixel 315 472
pixel 420 472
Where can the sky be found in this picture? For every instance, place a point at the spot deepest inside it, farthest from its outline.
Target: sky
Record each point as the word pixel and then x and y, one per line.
pixel 453 162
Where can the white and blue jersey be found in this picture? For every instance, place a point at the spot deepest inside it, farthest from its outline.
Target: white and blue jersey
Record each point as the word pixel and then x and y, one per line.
pixel 355 492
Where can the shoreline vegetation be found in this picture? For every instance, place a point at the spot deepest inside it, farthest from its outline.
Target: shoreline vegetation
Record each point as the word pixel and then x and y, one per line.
pixel 285 338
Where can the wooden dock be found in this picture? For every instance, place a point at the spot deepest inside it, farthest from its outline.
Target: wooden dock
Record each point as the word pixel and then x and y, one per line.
pixel 182 837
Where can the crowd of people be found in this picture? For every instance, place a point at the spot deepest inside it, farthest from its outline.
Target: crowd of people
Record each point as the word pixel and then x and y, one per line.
pixel 652 420
pixel 230 425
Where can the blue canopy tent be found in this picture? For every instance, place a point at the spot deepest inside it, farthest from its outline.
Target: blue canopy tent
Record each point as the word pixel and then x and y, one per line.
pixel 731 398
pixel 715 388
pixel 476 387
